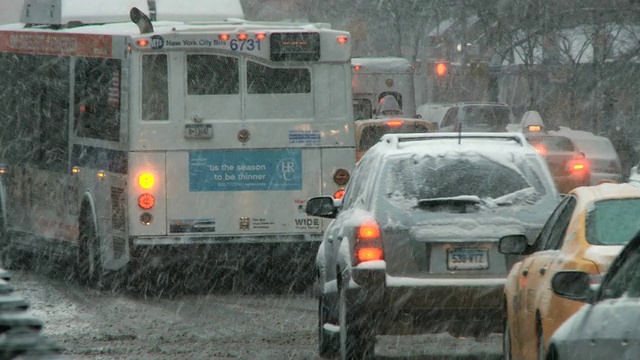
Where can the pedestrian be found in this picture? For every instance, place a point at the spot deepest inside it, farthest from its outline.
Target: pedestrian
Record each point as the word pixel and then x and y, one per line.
pixel 623 146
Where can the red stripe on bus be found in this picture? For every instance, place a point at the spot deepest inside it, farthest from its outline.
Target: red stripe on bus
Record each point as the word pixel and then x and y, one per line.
pixel 32 42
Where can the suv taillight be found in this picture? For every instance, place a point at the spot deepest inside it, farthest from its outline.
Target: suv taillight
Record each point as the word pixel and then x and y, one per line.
pixel 368 244
pixel 578 166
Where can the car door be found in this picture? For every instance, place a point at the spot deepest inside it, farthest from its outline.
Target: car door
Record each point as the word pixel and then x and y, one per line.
pixel 612 323
pixel 336 231
pixel 534 268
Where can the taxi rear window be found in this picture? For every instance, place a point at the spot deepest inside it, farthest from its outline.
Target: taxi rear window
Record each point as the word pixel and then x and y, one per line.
pixel 371 134
pixel 613 221
pixel 553 143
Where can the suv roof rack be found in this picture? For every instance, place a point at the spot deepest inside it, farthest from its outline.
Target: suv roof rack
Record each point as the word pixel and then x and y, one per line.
pixel 396 139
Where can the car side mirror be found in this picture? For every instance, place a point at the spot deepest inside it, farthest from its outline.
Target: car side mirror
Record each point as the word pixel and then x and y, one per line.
pixel 322 206
pixel 513 245
pixel 572 285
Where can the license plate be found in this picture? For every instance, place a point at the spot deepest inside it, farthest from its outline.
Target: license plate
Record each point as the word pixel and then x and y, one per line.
pixel 198 131
pixel 467 259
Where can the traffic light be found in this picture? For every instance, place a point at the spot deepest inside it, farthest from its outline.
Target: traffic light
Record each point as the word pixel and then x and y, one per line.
pixel 438 68
pixel 441 68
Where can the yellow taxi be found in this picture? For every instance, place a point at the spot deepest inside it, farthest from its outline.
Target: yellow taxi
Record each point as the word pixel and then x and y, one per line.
pixel 585 232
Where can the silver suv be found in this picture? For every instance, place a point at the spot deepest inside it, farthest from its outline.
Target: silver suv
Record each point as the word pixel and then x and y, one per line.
pixel 413 247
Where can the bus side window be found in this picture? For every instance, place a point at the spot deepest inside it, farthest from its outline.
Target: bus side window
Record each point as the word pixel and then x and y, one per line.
pixel 97 98
pixel 155 87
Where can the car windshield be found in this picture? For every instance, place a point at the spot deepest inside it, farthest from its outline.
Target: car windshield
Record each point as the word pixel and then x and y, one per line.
pixel 613 221
pixel 418 178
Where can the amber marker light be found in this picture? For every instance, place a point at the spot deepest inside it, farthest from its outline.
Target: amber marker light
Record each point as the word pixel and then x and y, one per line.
pixel 146 180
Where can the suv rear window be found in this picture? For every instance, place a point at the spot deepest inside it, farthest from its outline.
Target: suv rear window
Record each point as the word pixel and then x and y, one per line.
pixel 472 174
pixel 489 116
pixel 371 134
pixel 553 143
pixel 613 221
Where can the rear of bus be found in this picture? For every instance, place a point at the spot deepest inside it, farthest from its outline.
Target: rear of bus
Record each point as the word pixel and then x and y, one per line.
pixel 233 129
pixel 375 78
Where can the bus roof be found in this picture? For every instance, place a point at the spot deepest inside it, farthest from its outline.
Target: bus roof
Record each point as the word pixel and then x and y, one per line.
pixel 64 12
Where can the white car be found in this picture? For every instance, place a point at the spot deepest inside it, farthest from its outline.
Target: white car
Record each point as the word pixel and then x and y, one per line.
pixel 607 327
pixel 413 247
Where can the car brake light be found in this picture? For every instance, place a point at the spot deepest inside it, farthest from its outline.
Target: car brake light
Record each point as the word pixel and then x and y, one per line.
pixel 394 123
pixel 369 254
pixel 534 128
pixel 541 149
pixel 368 245
pixel 368 231
pixel 579 165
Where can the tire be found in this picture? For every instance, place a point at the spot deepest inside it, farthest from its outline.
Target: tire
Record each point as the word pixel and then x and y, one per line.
pixel 89 264
pixel 506 341
pixel 327 347
pixel 539 331
pixel 357 342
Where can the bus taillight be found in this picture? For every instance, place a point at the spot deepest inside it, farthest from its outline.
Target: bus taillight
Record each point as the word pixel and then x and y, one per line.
pixel 146 201
pixel 143 42
pixel 260 36
pixel 146 180
pixel 394 123
pixel 342 39
pixel 223 37
pixel 242 36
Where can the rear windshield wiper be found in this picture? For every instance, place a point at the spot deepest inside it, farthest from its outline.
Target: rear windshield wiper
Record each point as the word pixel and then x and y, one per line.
pixel 449 201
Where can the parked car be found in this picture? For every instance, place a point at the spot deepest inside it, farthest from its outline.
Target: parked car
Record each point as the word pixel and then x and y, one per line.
pixel 607 326
pixel 585 232
pixel 474 116
pixel 413 247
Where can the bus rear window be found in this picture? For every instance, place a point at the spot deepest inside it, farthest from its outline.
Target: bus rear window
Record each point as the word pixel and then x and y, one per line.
pixel 155 88
pixel 265 80
pixel 212 75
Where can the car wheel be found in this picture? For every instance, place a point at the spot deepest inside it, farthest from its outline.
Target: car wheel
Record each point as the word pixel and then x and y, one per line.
pixel 356 341
pixel 89 260
pixel 326 344
pixel 506 341
pixel 540 341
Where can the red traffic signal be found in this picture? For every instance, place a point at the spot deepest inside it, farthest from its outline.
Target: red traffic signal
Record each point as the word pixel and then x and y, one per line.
pixel 441 68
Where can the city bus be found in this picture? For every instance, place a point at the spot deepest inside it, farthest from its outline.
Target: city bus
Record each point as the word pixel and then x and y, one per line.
pixel 134 134
pixel 374 78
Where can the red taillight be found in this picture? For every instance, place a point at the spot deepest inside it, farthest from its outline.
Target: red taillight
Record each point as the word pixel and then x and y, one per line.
pixel 541 149
pixel 242 36
pixel 338 194
pixel 146 201
pixel 369 254
pixel 143 42
pixel 368 231
pixel 342 39
pixel 356 68
pixel 394 123
pixel 579 166
pixel 223 37
pixel 260 36
pixel 368 245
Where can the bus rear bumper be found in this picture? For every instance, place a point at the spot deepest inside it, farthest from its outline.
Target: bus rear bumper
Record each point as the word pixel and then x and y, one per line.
pixel 221 240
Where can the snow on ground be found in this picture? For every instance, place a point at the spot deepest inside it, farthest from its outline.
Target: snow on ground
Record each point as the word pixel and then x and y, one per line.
pixel 98 325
